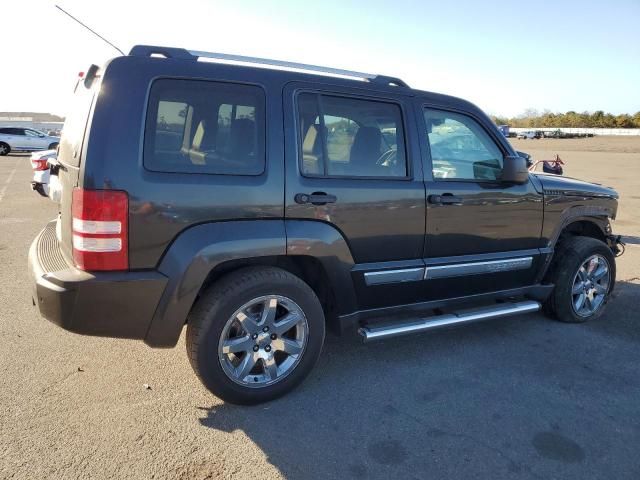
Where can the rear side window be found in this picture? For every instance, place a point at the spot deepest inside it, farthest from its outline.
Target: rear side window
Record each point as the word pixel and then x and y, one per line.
pixel 350 137
pixel 196 126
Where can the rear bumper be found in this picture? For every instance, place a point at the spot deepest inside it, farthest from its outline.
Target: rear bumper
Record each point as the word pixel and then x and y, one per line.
pixel 108 304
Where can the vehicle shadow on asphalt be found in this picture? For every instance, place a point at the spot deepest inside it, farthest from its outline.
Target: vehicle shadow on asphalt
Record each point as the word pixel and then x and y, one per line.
pixel 502 399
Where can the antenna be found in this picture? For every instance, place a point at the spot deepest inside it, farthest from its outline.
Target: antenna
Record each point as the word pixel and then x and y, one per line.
pixel 92 31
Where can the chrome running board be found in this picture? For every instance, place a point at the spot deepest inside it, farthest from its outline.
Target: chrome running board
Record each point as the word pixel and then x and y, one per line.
pixel 370 333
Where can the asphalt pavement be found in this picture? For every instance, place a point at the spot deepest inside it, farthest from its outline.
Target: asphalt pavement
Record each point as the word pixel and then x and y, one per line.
pixel 521 397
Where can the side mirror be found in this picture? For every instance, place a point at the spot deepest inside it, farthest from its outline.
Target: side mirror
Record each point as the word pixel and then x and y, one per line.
pixel 526 156
pixel 515 170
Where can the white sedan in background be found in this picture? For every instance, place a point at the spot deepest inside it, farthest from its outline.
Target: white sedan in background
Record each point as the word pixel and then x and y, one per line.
pixel 19 139
pixel 40 163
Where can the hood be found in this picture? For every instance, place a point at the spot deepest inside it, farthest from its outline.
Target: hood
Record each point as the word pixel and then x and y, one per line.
pixel 559 185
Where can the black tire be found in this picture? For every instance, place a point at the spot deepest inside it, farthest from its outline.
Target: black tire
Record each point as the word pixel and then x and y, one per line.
pixel 5 149
pixel 53 146
pixel 570 255
pixel 216 306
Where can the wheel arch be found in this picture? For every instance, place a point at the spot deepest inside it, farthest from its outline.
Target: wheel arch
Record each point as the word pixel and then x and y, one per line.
pixel 593 226
pixel 313 251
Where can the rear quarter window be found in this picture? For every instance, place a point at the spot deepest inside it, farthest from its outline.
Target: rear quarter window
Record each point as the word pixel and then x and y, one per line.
pixel 75 125
pixel 196 126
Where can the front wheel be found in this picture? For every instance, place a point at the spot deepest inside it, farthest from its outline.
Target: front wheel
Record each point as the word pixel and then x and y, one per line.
pixel 255 335
pixel 584 273
pixel 53 146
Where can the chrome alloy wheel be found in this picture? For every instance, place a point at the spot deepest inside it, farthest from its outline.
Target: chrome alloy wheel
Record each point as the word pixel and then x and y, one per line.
pixel 263 341
pixel 590 285
pixel 3 150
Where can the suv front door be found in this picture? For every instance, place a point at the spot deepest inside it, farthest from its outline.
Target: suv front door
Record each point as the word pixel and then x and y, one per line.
pixel 482 234
pixel 349 166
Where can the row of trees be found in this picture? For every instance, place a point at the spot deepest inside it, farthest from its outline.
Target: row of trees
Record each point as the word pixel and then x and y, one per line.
pixel 598 119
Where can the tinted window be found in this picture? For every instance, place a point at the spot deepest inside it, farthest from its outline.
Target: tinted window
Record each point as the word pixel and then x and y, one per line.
pixel 197 126
pixel 460 148
pixel 17 131
pixel 350 137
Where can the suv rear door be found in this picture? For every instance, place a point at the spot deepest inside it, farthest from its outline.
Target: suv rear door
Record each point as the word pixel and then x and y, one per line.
pixel 350 163
pixel 71 151
pixel 482 234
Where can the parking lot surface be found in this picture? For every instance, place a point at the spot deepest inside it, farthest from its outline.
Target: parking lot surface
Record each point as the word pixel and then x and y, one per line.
pixel 522 397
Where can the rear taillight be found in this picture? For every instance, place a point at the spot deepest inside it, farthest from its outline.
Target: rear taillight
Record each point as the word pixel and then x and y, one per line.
pixel 39 164
pixel 100 233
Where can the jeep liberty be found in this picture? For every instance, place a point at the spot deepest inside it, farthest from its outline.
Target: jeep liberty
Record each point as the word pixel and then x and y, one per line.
pixel 260 202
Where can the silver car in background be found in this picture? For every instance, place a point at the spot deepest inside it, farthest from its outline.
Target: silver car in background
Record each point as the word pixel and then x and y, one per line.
pixel 20 139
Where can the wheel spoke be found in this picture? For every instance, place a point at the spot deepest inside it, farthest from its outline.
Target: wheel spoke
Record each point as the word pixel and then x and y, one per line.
pixel 286 323
pixel 238 344
pixel 287 345
pixel 601 289
pixel 271 367
pixel 579 303
pixel 269 311
pixel 577 287
pixel 248 324
pixel 600 272
pixel 246 365
pixel 582 273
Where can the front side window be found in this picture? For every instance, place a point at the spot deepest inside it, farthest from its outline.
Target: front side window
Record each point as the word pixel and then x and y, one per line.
pixel 32 133
pixel 460 148
pixel 196 126
pixel 349 137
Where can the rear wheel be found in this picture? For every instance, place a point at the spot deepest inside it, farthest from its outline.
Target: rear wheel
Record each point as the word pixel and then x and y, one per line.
pixel 255 335
pixel 4 149
pixel 584 273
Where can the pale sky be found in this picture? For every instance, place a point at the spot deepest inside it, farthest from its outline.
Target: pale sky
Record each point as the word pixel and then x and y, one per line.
pixel 505 56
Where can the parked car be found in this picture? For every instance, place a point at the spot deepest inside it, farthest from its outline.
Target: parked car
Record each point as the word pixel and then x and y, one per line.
pixel 260 206
pixel 40 165
pixel 25 140
pixel 531 135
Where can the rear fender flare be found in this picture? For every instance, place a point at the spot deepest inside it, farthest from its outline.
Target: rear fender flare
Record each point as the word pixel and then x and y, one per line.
pixel 194 254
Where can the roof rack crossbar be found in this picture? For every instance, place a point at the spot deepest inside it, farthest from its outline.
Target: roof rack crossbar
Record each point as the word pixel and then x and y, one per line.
pixel 148 50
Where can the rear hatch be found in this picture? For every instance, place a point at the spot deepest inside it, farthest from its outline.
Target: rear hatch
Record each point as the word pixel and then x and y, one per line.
pixel 71 154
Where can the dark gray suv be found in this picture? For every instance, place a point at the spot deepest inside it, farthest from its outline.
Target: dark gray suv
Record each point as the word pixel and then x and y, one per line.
pixel 260 206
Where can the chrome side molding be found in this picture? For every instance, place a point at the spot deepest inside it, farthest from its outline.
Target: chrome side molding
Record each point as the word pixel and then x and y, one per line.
pixel 415 274
pixel 474 268
pixel 394 276
pixel 371 333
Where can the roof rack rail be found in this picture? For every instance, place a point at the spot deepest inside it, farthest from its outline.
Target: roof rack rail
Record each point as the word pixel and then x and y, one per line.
pixel 180 53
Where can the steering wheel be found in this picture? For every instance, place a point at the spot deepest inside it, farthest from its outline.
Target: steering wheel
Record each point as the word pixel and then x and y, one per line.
pixel 388 158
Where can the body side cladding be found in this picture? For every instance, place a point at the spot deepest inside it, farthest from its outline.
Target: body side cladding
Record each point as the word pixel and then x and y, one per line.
pixel 194 254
